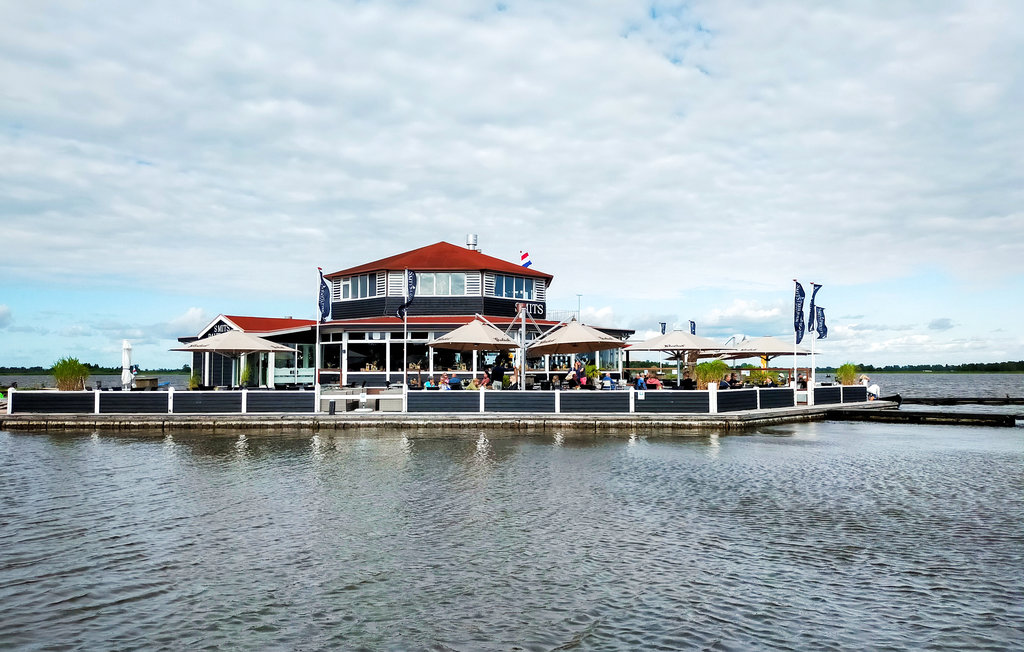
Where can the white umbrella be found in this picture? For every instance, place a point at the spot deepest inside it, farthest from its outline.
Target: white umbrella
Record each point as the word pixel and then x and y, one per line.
pixel 680 345
pixel 127 377
pixel 765 347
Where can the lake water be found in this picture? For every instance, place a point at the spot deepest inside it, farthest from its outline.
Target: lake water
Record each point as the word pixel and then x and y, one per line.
pixel 814 536
pixel 177 381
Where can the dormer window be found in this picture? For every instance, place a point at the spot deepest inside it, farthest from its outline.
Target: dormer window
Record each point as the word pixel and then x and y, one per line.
pixel 441 284
pixel 359 287
pixel 513 287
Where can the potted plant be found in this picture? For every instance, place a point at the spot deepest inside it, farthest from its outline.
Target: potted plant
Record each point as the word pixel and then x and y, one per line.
pixel 847 374
pixel 711 371
pixel 69 374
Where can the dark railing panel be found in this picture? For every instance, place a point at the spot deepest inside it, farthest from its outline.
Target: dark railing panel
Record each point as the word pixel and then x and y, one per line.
pixel 207 402
pixel 280 401
pixel 443 401
pixel 853 394
pixel 54 402
pixel 827 395
pixel 516 401
pixel 133 402
pixel 733 400
pixel 659 401
pixel 777 398
pixel 594 401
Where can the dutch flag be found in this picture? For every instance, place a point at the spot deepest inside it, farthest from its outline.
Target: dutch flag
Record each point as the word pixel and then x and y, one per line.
pixel 525 257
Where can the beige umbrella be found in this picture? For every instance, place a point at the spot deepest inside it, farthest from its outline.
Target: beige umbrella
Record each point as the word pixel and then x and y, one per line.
pixel 477 335
pixel 574 337
pixel 234 343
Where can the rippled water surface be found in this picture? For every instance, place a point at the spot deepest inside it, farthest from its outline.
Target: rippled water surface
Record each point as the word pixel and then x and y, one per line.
pixel 810 536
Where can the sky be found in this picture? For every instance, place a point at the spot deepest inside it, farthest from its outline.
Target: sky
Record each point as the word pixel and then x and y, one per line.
pixel 162 163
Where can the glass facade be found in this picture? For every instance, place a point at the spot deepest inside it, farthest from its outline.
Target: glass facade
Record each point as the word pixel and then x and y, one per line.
pixel 513 287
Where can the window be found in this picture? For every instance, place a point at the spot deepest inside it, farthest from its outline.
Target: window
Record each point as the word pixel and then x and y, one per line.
pixel 513 287
pixel 359 287
pixel 441 284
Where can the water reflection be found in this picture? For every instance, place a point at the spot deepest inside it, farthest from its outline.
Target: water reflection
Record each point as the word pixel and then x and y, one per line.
pixel 393 541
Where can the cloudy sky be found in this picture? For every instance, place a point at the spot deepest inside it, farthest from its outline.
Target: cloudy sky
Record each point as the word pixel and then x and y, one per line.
pixel 165 162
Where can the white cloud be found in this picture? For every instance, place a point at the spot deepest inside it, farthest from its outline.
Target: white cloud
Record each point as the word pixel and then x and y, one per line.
pixel 642 152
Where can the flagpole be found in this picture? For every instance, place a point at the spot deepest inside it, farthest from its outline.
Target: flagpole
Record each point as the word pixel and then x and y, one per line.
pixel 793 379
pixel 316 352
pixel 405 338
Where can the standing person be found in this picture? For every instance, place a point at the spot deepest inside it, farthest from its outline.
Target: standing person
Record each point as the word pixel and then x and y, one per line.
pixel 578 368
pixel 498 374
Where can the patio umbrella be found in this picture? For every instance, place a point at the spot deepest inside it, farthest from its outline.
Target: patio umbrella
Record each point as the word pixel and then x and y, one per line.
pixel 477 335
pixel 127 377
pixel 234 343
pixel 765 348
pixel 682 345
pixel 574 337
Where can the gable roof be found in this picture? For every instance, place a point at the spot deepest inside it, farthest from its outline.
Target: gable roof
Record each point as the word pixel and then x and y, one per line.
pixel 260 324
pixel 441 257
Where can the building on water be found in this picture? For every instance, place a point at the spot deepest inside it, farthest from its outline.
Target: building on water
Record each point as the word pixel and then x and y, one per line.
pixel 364 342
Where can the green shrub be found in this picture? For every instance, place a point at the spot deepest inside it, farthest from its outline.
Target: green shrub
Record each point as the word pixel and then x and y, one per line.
pixel 709 371
pixel 847 374
pixel 195 381
pixel 69 374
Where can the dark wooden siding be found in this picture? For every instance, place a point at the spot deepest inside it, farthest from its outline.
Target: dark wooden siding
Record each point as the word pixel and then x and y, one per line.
pixel 733 400
pixel 854 394
pixel 515 401
pixel 827 395
pixel 220 370
pixel 443 401
pixel 777 398
pixel 658 401
pixel 133 403
pixel 280 401
pixel 207 402
pixel 594 401
pixel 53 402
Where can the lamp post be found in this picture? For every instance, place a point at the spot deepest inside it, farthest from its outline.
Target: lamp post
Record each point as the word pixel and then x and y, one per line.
pixel 579 307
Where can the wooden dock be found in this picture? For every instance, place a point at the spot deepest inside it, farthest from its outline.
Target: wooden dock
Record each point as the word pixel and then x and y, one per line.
pixel 932 418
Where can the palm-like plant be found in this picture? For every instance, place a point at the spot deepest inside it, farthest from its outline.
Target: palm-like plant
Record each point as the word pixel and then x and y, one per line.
pixel 709 371
pixel 847 374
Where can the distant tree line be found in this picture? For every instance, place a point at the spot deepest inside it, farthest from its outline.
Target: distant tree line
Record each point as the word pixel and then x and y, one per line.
pixel 970 367
pixel 94 370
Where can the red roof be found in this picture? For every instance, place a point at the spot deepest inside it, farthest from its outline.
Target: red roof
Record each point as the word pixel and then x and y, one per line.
pixel 268 324
pixel 440 257
pixel 430 320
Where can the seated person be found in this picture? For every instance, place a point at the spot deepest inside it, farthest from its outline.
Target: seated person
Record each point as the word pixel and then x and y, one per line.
pixel 653 382
pixel 513 381
pixel 607 381
pixel 768 382
pixel 443 384
pixel 429 383
pixel 734 382
pixel 453 382
pixel 571 380
pixel 801 382
pixel 473 384
pixel 485 380
pixel 688 383
pixel 640 382
pixel 724 383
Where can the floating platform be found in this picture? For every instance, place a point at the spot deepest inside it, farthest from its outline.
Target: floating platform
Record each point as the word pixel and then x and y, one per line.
pixel 493 423
pixel 931 418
